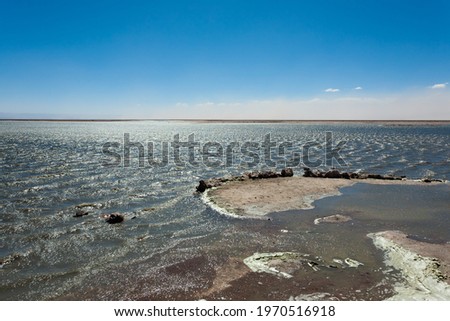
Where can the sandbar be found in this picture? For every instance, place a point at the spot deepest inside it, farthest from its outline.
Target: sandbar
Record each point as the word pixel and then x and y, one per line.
pixel 256 198
pixel 261 197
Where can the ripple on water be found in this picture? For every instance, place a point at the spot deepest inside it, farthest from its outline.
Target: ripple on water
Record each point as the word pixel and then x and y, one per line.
pixel 50 168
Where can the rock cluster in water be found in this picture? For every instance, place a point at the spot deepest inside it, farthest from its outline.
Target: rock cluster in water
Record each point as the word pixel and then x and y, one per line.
pixel 215 182
pixel 334 173
pixel 288 172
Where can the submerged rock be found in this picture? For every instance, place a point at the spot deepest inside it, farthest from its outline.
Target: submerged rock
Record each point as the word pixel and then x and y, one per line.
pixel 338 261
pixel 282 264
pixel 260 262
pixel 113 218
pixel 9 259
pixel 318 296
pixel 93 205
pixel 352 263
pixel 80 213
pixel 337 218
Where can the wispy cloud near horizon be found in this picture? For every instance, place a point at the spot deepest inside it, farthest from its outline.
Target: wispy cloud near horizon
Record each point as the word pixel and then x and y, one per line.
pixel 418 105
pixel 405 106
pixel 439 86
pixel 332 90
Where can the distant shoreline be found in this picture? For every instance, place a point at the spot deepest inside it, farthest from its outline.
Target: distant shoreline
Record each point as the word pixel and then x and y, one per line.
pixel 244 121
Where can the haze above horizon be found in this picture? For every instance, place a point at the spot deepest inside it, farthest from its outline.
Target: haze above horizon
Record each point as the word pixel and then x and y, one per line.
pixel 225 60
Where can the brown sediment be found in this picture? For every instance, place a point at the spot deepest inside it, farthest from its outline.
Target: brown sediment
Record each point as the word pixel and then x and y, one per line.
pixel 365 285
pixel 260 197
pixel 232 270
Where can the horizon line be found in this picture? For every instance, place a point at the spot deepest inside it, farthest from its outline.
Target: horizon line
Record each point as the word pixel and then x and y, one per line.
pixel 219 120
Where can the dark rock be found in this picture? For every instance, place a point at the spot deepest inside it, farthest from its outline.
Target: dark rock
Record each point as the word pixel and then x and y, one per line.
pixel 308 172
pixel 384 177
pixel 287 172
pixel 354 175
pixel 80 213
pixel 113 218
pixel 201 186
pixel 268 174
pixel 333 174
pixel 430 180
pixel 345 175
pixel 253 175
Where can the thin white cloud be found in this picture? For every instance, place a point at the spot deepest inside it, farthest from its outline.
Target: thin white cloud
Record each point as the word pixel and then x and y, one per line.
pixel 182 104
pixel 331 90
pixel 358 88
pixel 206 104
pixel 439 86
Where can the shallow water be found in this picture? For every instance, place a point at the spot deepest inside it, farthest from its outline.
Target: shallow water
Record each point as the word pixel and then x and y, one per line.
pixel 171 244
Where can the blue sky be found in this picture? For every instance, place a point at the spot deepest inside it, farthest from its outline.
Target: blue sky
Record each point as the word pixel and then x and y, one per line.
pixel 225 59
